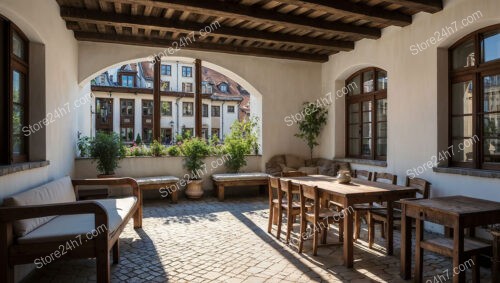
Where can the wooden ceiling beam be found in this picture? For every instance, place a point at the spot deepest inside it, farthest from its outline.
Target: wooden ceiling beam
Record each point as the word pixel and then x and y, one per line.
pixel 162 24
pixel 237 11
pixel 346 8
pixel 429 6
pixel 200 46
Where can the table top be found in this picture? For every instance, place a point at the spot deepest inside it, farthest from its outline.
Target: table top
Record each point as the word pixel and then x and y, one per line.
pixel 456 205
pixel 355 188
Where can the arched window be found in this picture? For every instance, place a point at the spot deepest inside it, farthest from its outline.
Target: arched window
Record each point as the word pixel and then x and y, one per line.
pixel 366 114
pixel 474 134
pixel 14 93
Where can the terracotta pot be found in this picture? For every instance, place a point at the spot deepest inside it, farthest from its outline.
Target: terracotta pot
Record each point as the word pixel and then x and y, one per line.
pixel 104 176
pixel 194 189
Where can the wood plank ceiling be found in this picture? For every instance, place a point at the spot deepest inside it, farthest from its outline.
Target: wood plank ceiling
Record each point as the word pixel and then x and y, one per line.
pixel 290 29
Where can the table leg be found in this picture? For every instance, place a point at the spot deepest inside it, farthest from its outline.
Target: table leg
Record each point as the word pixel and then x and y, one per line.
pixel 220 192
pixel 348 240
pixel 458 253
pixel 405 271
pixel 175 196
pixel 390 228
pixel 419 252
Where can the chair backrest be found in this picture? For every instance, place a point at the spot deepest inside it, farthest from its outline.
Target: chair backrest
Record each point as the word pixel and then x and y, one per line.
pixel 385 178
pixel 423 186
pixel 363 174
pixel 274 185
pixel 285 187
pixel 309 193
pixel 293 174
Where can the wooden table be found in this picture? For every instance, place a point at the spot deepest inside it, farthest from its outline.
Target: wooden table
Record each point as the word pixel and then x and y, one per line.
pixel 457 212
pixel 357 192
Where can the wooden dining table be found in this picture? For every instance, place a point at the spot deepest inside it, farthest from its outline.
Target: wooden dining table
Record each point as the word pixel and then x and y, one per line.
pixel 358 191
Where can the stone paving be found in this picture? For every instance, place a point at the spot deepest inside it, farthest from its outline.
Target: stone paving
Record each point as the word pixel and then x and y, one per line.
pixel 211 241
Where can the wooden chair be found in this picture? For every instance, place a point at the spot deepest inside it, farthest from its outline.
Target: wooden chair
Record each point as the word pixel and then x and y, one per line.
pixel 274 187
pixel 380 215
pixel 293 174
pixel 292 208
pixel 385 178
pixel 361 209
pixel 318 216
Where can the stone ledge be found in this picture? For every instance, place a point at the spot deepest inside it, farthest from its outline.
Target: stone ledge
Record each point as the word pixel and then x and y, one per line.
pixel 14 168
pixel 468 172
pixel 379 163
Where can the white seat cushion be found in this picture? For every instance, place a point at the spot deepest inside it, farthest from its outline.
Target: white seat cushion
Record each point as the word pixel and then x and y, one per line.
pixel 67 227
pixel 156 180
pixel 240 176
pixel 58 191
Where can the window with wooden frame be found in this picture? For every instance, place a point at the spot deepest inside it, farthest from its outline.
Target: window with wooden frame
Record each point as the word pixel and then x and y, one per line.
pixel 104 115
pixel 366 114
pixel 204 110
pixel 127 79
pixel 474 100
pixel 147 121
pixel 187 87
pixel 215 111
pixel 166 70
pixel 187 109
pixel 187 72
pixel 127 111
pixel 166 108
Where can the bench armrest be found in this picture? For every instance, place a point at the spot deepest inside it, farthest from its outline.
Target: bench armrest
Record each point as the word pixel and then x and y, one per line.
pixel 9 214
pixel 109 182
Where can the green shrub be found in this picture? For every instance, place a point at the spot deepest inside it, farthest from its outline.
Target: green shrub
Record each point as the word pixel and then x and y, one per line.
pixel 174 150
pixel 84 146
pixel 157 149
pixel 194 150
pixel 107 149
pixel 138 140
pixel 240 142
pixel 310 127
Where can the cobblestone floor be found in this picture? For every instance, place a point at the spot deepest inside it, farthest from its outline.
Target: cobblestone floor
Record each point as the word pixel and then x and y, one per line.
pixel 211 241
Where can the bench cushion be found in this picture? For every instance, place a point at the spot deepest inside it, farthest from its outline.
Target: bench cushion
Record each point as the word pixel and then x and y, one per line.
pixel 156 180
pixel 240 177
pixel 67 227
pixel 58 191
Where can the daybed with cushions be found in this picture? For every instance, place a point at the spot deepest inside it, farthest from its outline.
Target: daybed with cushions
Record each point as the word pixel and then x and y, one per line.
pixel 48 222
pixel 289 162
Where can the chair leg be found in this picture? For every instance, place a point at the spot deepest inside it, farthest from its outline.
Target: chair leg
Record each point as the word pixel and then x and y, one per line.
pixel 357 225
pixel 280 218
pixel 341 231
pixel 371 230
pixel 419 252
pixel 324 232
pixel 303 225
pixel 289 225
pixel 270 224
pixel 315 240
pixel 116 252
pixel 476 277
pixel 383 229
pixel 103 270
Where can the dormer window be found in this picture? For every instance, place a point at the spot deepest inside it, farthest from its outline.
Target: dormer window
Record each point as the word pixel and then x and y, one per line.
pixel 127 80
pixel 223 87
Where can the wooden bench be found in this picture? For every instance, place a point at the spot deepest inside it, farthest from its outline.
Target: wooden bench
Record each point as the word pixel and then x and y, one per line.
pixel 237 179
pixel 35 224
pixel 169 183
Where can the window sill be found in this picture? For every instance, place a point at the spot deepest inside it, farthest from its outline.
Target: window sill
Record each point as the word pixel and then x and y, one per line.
pixel 379 163
pixel 25 166
pixel 468 172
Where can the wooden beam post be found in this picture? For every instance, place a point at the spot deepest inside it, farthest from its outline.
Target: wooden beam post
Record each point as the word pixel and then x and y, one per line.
pixel 198 98
pixel 156 100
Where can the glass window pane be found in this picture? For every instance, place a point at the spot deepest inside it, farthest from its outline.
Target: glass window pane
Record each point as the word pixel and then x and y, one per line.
pixel 17 118
pixel 367 147
pixel 463 55
pixel 355 90
pixel 367 106
pixel 490 46
pixel 462 150
pixel 18 46
pixel 382 130
pixel 491 95
pixel 354 147
pixel 382 110
pixel 367 116
pixel 18 144
pixel 491 150
pixel 381 80
pixel 367 130
pixel 461 126
pixel 491 126
pixel 354 131
pixel 381 147
pixel 368 81
pixel 461 95
pixel 18 87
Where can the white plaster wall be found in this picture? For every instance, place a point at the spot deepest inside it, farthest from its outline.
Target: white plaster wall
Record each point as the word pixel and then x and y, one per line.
pixel 283 84
pixel 413 95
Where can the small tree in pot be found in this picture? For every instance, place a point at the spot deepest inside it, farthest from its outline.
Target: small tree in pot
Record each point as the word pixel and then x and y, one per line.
pixel 239 143
pixel 313 120
pixel 195 150
pixel 107 150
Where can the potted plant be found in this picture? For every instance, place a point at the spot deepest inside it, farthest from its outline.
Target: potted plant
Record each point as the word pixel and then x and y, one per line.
pixel 313 121
pixel 106 149
pixel 194 150
pixel 239 143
